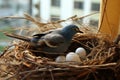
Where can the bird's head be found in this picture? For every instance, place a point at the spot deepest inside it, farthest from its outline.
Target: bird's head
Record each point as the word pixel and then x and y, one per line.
pixel 70 30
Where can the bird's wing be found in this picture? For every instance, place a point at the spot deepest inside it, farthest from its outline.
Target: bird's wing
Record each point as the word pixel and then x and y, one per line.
pixel 42 34
pixel 53 40
pixel 46 32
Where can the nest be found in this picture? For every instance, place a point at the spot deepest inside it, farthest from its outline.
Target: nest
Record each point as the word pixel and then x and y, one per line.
pixel 21 62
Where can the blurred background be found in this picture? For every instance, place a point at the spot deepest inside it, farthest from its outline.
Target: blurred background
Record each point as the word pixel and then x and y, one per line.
pixel 46 10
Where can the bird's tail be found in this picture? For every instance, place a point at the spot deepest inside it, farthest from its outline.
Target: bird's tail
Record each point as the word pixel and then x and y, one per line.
pixel 18 37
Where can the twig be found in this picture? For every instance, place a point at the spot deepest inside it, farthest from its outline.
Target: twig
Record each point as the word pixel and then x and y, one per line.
pixel 28 17
pixel 98 52
pixel 51 74
pixel 42 70
pixel 85 16
pixel 87 47
pixel 83 74
pixel 12 17
pixel 7 72
pixel 80 67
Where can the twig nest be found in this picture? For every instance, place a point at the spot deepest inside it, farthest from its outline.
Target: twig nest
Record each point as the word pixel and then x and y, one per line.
pixel 81 52
pixel 60 59
pixel 71 56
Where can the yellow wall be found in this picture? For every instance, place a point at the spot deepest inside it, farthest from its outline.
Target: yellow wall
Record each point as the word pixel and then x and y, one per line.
pixel 110 17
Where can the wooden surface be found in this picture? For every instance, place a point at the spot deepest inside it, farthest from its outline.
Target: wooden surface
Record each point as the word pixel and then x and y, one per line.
pixel 110 18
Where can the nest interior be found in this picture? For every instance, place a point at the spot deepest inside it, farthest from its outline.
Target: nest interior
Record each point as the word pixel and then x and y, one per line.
pixel 21 62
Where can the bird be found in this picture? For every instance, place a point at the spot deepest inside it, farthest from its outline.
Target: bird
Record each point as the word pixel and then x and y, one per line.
pixel 51 42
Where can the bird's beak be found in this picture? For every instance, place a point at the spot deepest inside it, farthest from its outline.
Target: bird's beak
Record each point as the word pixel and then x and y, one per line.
pixel 80 31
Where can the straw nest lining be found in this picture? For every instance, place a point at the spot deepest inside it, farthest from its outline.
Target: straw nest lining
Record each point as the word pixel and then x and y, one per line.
pixel 20 62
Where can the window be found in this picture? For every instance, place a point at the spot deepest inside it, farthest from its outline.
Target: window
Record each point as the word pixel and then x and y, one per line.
pixel 78 5
pixel 95 6
pixel 5 4
pixel 56 3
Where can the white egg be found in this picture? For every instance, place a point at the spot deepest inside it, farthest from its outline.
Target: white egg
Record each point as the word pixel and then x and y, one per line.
pixel 81 52
pixel 71 56
pixel 60 59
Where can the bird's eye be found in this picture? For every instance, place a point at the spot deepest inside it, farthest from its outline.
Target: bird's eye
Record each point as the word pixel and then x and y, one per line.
pixel 77 29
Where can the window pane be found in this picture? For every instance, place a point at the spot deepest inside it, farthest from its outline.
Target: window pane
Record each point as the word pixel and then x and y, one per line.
pixel 78 5
pixel 56 3
pixel 95 6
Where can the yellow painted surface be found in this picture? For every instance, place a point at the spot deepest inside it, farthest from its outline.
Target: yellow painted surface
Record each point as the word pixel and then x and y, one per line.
pixel 110 18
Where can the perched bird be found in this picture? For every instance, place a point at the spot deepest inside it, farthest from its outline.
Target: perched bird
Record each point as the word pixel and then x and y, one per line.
pixel 52 42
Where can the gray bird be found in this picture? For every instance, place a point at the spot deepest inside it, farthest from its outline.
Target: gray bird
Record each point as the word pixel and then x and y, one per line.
pixel 52 42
